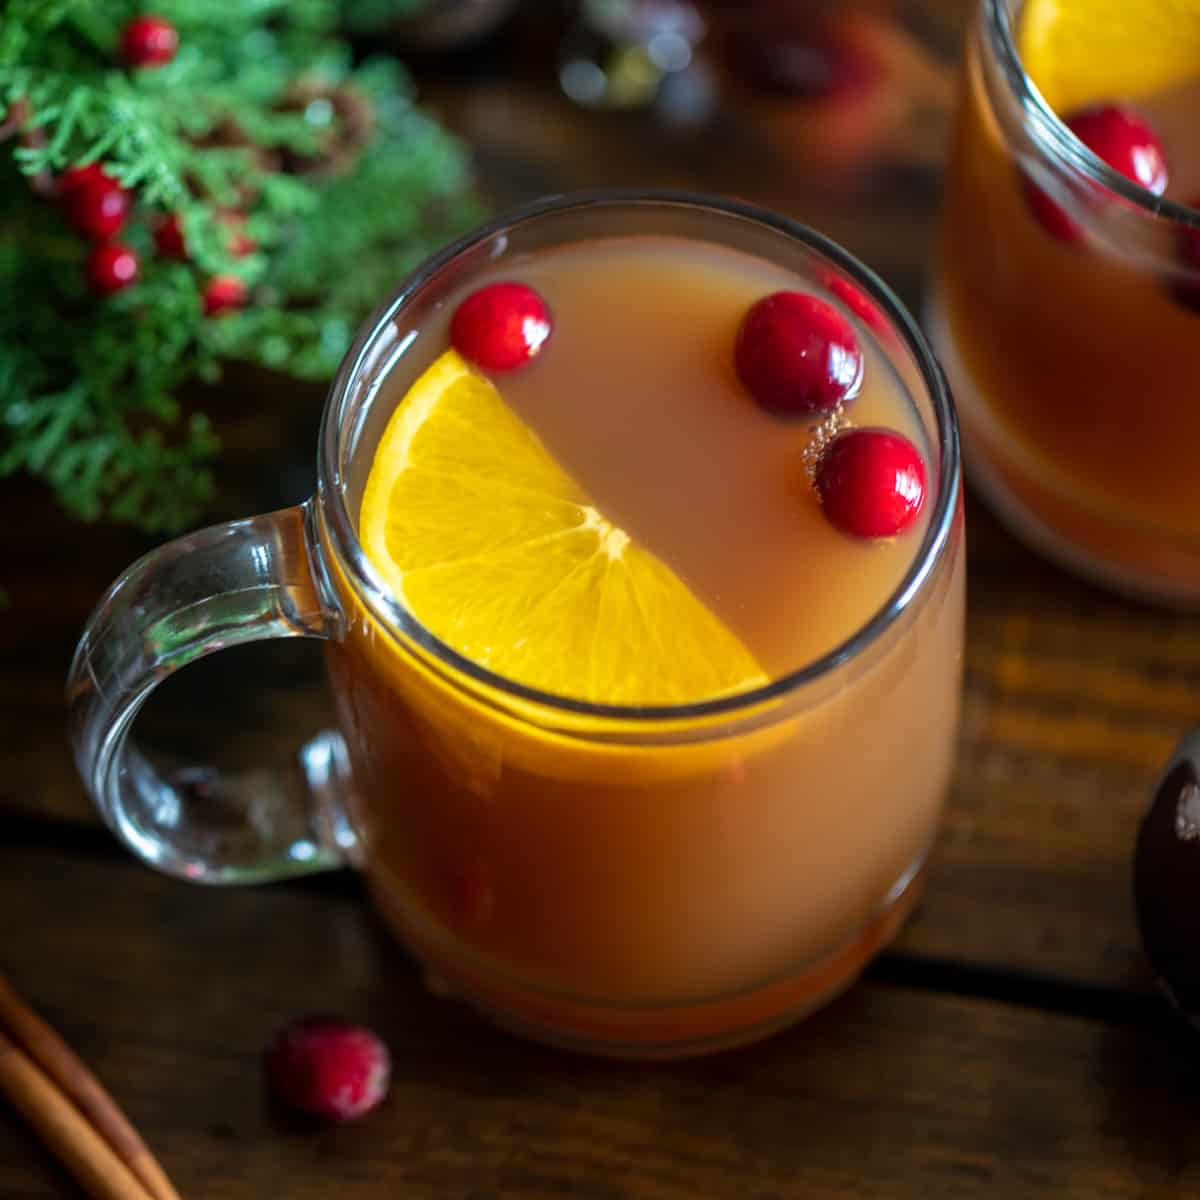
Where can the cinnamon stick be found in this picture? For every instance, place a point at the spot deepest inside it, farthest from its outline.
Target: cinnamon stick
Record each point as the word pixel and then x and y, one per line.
pixel 63 1128
pixel 60 1063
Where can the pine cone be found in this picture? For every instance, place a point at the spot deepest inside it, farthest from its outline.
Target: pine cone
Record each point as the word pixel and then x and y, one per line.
pixel 347 135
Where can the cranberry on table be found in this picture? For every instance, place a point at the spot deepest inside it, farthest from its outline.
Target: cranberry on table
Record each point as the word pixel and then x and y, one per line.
pixel 1120 138
pixel 223 293
pixel 96 205
pixel 329 1068
pixel 501 327
pixel 797 355
pixel 871 483
pixel 148 41
pixel 1166 877
pixel 111 267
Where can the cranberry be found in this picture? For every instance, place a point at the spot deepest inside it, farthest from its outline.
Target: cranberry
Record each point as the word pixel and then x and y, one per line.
pixel 871 482
pixel 1123 140
pixel 1186 287
pixel 168 238
pixel 111 267
pixel 223 293
pixel 328 1068
pixel 96 204
pixel 501 326
pixel 1049 214
pixel 1166 871
pixel 1120 138
pixel 796 354
pixel 240 244
pixel 857 301
pixel 77 177
pixel 813 62
pixel 149 41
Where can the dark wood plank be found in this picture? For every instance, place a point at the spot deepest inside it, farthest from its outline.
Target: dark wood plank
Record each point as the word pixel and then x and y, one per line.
pixel 170 994
pixel 1074 699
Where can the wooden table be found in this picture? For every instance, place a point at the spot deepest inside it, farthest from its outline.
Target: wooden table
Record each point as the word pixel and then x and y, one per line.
pixel 1011 1044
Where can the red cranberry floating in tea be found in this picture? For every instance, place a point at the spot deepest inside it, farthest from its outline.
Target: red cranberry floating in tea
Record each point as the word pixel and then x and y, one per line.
pixel 856 300
pixel 871 483
pixel 1120 138
pixel 501 326
pixel 1166 873
pixel 797 355
pixel 1186 287
pixel 328 1068
pixel 1050 215
pixel 1126 142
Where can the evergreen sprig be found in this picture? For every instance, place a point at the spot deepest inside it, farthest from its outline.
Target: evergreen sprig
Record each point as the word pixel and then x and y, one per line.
pixel 328 167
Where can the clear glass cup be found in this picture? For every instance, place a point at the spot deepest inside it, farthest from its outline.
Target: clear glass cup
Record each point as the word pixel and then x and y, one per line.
pixel 1067 317
pixel 649 881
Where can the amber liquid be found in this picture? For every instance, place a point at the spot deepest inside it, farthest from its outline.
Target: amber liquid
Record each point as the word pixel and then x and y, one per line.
pixel 648 898
pixel 1074 366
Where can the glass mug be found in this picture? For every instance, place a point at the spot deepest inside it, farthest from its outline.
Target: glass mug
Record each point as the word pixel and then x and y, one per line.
pixel 1070 332
pixel 630 881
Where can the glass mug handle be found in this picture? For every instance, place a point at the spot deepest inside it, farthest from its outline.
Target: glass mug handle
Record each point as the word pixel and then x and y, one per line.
pixel 222 586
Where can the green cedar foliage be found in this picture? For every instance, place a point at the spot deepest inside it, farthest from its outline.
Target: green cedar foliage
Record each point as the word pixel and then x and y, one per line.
pixel 342 182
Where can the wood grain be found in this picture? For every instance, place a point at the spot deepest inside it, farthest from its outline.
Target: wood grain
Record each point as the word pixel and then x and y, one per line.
pixel 170 993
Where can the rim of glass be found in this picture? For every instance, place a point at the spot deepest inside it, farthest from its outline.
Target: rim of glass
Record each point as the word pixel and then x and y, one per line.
pixel 397 620
pixel 1052 133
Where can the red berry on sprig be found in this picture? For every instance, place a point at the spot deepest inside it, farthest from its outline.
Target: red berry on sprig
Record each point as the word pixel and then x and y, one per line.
pixel 1120 138
pixel 328 1068
pixel 871 482
pixel 170 242
pixel 223 294
pixel 238 242
pixel 797 355
pixel 168 238
pixel 148 41
pixel 502 326
pixel 76 177
pixel 112 266
pixel 96 204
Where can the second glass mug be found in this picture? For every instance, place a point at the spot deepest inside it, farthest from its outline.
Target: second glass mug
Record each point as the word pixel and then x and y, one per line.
pixel 629 881
pixel 1067 318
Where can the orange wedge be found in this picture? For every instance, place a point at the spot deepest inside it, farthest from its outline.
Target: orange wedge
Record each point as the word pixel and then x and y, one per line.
pixel 495 550
pixel 1083 51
